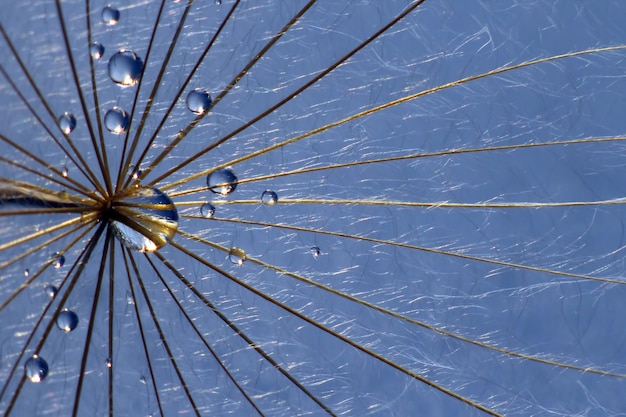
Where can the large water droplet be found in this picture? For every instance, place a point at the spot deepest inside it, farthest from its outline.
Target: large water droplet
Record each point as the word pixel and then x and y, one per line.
pixel 58 260
pixel 269 198
pixel 36 369
pixel 110 15
pixel 116 120
pixel 96 50
pixel 144 219
pixel 125 68
pixel 207 210
pixel 222 181
pixel 198 101
pixel 237 256
pixel 67 320
pixel 67 122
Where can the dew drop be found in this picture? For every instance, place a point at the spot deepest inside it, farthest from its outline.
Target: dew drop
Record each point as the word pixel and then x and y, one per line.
pixel 237 256
pixel 136 174
pixel 125 68
pixel 51 291
pixel 198 101
pixel 58 260
pixel 26 272
pixel 65 172
pixel 96 50
pixel 142 380
pixel 36 369
pixel 110 15
pixel 222 181
pixel 116 120
pixel 144 219
pixel 67 123
pixel 67 320
pixel 218 2
pixel 269 198
pixel 129 298
pixel 315 251
pixel 109 363
pixel 207 210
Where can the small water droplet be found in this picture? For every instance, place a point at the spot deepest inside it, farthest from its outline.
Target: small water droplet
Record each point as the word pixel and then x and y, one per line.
pixel 96 50
pixel 315 251
pixel 64 171
pixel 237 256
pixel 129 298
pixel 109 363
pixel 67 123
pixel 198 101
pixel 51 290
pixel 26 272
pixel 222 181
pixel 135 174
pixel 125 68
pixel 58 260
pixel 150 219
pixel 67 320
pixel 110 15
pixel 116 120
pixel 269 198
pixel 142 380
pixel 36 369
pixel 218 2
pixel 207 210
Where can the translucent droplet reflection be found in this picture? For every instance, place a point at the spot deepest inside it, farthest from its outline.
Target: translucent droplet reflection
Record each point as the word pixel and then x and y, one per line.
pixel 125 68
pixel 222 181
pixel 58 260
pixel 110 15
pixel 36 369
pixel 237 256
pixel 198 101
pixel 67 123
pixel 51 291
pixel 269 198
pixel 116 120
pixel 67 320
pixel 144 219
pixel 96 50
pixel 207 210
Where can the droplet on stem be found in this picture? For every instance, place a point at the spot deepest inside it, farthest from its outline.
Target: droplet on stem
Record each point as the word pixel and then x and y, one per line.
pixel 222 181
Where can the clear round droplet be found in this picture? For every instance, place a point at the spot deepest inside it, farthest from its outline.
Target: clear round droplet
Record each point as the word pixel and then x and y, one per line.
pixel 96 50
pixel 218 2
pixel 36 369
pixel 67 123
pixel 198 101
pixel 58 260
pixel 116 120
pixel 51 291
pixel 26 272
pixel 316 252
pixel 125 68
pixel 144 219
pixel 237 256
pixel 269 198
pixel 207 210
pixel 65 172
pixel 142 380
pixel 222 181
pixel 67 320
pixel 108 363
pixel 110 15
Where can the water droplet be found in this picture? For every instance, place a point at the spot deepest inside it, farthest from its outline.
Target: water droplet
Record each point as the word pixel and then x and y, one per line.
pixel 67 122
pixel 135 174
pixel 222 181
pixel 142 380
pixel 36 369
pixel 125 68
pixel 109 363
pixel 116 120
pixel 129 298
pixel 207 210
pixel 96 50
pixel 51 290
pixel 58 260
pixel 110 15
pixel 315 251
pixel 64 171
pixel 269 198
pixel 237 256
pixel 26 272
pixel 218 2
pixel 144 219
pixel 67 320
pixel 198 101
